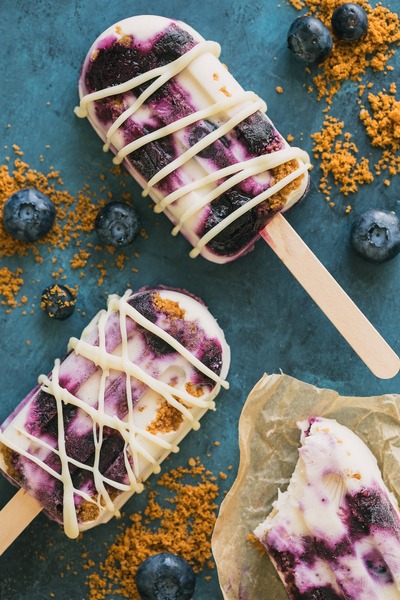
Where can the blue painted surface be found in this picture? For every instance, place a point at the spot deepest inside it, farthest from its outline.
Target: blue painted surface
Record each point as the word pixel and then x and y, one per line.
pixel 269 320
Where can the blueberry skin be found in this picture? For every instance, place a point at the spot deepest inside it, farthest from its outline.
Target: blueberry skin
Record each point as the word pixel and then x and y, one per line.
pixel 309 40
pixel 165 576
pixel 117 224
pixel 58 302
pixel 349 22
pixel 28 215
pixel 375 235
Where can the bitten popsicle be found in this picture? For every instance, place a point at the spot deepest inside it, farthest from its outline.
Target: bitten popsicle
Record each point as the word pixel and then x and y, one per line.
pixel 335 532
pixel 137 381
pixel 206 153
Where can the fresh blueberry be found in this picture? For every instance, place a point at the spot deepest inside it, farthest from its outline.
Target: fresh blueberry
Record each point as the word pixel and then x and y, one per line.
pixel 349 22
pixel 117 224
pixel 375 235
pixel 58 302
pixel 165 576
pixel 309 40
pixel 28 215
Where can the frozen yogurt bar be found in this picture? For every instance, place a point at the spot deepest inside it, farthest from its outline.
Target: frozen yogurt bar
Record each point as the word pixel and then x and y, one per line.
pixel 335 533
pixel 200 146
pixel 137 381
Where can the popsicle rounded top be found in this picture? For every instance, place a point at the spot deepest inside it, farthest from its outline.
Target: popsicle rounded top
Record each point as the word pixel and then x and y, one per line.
pixel 140 377
pixel 202 148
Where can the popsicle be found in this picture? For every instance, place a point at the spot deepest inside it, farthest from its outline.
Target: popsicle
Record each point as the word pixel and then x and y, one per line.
pixel 335 532
pixel 137 381
pixel 204 150
pixel 199 145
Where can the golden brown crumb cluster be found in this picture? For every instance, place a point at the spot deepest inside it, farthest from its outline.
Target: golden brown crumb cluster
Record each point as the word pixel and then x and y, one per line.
pixel 383 127
pixel 333 146
pixel 168 418
pixel 10 284
pixel 339 158
pixel 168 307
pixel 7 455
pixel 184 528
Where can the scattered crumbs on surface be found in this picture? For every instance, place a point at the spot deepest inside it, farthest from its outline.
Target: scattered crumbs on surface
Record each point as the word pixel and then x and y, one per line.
pixel 222 475
pixel 184 527
pixel 338 155
pixel 279 89
pixel 28 342
pixel 225 91
pixel 348 208
pixel 73 226
pixel 216 443
pixel 290 138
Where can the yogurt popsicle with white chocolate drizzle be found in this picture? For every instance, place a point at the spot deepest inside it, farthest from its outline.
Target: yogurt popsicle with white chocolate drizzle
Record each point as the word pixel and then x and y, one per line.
pixel 204 150
pixel 143 373
pixel 201 147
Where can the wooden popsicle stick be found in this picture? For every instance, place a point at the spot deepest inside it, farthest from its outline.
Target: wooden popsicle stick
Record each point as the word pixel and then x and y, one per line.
pixel 332 300
pixel 15 516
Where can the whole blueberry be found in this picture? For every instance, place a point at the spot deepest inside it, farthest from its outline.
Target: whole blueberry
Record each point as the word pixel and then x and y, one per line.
pixel 349 22
pixel 117 224
pixel 58 302
pixel 28 215
pixel 375 235
pixel 309 40
pixel 165 576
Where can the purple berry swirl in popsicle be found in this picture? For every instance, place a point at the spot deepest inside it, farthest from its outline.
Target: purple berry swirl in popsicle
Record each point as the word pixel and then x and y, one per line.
pixel 201 147
pixel 140 377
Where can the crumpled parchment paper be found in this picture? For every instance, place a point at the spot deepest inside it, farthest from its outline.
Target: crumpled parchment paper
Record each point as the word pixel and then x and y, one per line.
pixel 269 440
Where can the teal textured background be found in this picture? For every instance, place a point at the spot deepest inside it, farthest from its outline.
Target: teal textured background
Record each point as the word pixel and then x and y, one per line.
pixel 269 321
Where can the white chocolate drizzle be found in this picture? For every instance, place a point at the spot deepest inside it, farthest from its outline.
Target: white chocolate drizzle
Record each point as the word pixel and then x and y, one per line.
pixel 127 428
pixel 245 169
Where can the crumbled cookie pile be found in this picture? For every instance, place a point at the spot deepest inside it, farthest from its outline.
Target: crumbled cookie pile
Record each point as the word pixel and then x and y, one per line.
pixel 73 226
pixel 334 147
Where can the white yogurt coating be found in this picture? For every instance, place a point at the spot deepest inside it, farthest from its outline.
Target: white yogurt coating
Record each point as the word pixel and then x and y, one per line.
pixel 216 95
pixel 336 530
pixel 157 378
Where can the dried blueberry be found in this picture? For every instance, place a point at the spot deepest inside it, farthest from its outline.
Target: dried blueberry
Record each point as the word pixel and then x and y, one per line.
pixel 309 40
pixel 58 302
pixel 165 576
pixel 375 235
pixel 28 215
pixel 117 224
pixel 349 22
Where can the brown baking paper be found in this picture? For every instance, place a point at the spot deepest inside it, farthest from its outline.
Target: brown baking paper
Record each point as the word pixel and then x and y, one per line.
pixel 269 441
